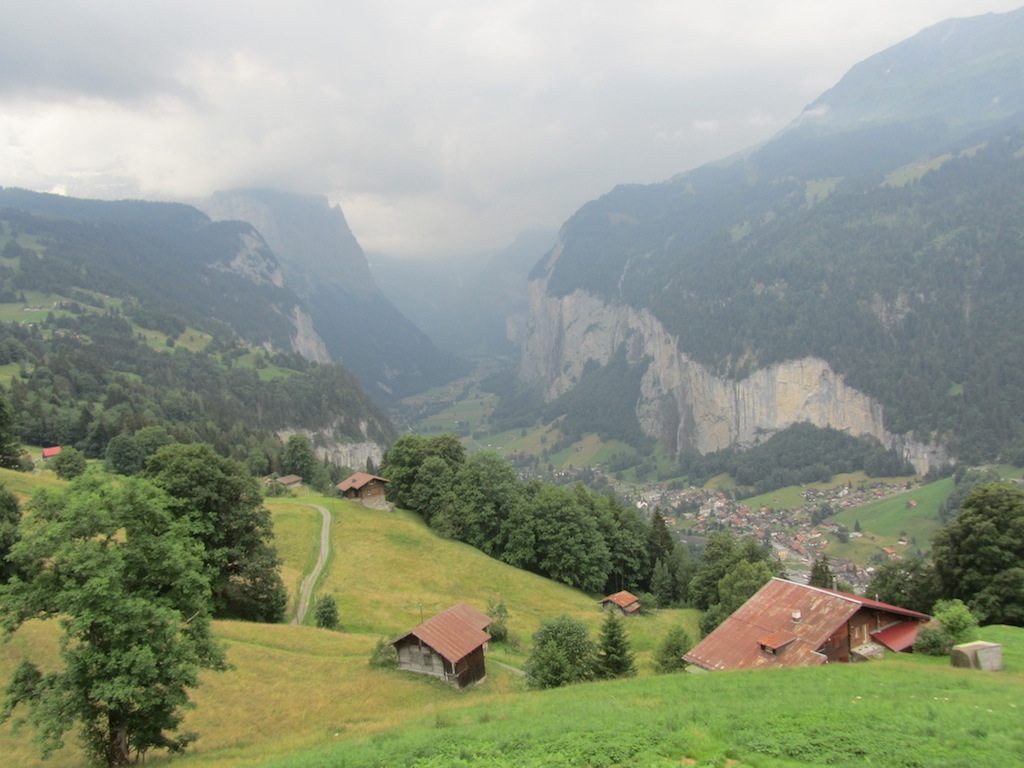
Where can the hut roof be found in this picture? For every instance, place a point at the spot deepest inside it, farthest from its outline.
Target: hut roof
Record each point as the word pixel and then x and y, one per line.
pixel 357 481
pixel 453 633
pixel 622 599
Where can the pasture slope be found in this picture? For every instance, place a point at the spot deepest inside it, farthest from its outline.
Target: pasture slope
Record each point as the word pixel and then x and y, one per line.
pixel 299 696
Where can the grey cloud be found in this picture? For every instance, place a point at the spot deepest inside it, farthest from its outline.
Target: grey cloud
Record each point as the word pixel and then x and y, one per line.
pixel 440 127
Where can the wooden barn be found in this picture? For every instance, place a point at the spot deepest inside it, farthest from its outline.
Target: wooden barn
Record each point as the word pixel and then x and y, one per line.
pixel 791 625
pixel 449 646
pixel 364 487
pixel 625 602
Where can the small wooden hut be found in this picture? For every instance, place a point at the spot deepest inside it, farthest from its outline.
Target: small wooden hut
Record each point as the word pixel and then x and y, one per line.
pixel 364 487
pixel 627 603
pixel 449 646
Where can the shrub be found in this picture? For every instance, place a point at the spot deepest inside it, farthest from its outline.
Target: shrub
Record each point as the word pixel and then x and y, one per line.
pixel 563 653
pixel 669 655
pixel 384 655
pixel 327 613
pixel 953 624
pixel 69 463
pixel 498 629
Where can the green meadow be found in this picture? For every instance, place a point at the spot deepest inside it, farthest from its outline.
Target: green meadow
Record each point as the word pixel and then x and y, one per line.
pixel 306 697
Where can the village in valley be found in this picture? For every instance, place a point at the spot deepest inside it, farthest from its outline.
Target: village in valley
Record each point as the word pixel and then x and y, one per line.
pixel 797 535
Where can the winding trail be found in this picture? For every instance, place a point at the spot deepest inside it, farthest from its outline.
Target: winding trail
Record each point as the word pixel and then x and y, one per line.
pixel 306 591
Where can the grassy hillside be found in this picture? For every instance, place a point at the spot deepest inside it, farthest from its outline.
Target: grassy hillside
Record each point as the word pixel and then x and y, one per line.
pixel 299 696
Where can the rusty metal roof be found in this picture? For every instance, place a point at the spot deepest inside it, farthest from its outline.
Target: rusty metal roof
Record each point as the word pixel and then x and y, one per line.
pixel 357 481
pixel 867 602
pixel 745 639
pixel 897 637
pixel 622 599
pixel 453 633
pixel 758 633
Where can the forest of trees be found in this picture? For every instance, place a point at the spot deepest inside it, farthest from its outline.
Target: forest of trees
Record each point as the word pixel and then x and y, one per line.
pixel 593 542
pixel 88 381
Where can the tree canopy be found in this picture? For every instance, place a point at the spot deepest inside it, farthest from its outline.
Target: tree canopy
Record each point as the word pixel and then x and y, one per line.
pixel 979 555
pixel 563 653
pixel 224 510
pixel 125 576
pixel 567 534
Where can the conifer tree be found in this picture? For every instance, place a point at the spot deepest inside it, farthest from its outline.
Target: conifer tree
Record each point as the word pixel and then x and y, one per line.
pixel 10 448
pixel 821 574
pixel 661 584
pixel 614 657
pixel 669 656
pixel 659 540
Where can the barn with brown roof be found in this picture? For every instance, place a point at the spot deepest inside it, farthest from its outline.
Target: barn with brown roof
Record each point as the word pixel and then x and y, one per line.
pixel 449 646
pixel 626 602
pixel 364 487
pixel 791 625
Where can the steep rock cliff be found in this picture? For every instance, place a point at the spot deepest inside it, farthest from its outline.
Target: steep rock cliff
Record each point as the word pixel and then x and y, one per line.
pixel 683 403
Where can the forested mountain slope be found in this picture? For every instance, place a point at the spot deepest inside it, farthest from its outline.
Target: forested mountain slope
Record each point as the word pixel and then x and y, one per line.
pixel 862 270
pixel 325 266
pixel 155 316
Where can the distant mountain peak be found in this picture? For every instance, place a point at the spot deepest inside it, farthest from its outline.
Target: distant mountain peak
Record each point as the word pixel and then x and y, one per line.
pixel 965 71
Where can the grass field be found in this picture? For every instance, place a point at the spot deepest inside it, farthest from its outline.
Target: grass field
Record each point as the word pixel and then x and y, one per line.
pixel 296 535
pixel 911 516
pixel 304 697
pixel 892 713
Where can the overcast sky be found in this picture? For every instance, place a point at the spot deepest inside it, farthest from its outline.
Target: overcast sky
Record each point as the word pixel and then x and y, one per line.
pixel 441 127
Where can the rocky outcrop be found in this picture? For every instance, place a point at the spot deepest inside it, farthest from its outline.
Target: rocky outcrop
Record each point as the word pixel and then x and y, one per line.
pixel 683 403
pixel 307 341
pixel 343 454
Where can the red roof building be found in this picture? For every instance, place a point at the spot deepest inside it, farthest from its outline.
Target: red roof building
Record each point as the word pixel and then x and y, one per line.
pixel 49 453
pixel 449 646
pixel 626 602
pixel 792 625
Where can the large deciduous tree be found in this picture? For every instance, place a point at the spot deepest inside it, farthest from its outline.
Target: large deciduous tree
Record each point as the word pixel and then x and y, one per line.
pixel 569 545
pixel 300 458
pixel 402 463
pixel 126 579
pixel 908 582
pixel 979 555
pixel 224 509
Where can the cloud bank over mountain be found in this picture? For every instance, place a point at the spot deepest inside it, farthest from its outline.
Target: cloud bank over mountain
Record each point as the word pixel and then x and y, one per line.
pixel 442 128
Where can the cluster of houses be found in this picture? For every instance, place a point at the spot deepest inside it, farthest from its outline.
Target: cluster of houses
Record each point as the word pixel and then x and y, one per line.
pixel 797 535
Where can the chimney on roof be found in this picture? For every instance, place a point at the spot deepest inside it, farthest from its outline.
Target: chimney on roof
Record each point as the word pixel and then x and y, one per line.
pixel 796 616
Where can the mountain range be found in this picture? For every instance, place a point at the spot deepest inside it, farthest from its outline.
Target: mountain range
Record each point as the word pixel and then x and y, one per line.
pixel 861 270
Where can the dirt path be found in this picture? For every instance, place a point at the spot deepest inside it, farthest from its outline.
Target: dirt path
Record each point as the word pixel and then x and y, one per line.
pixel 306 591
pixel 509 667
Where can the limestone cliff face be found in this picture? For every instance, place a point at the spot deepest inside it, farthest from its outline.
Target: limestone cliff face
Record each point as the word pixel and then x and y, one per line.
pixel 344 454
pixel 684 404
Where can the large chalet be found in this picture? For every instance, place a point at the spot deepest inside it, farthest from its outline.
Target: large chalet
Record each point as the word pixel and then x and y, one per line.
pixel 792 625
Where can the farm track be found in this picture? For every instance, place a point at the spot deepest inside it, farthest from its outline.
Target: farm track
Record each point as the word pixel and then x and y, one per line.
pixel 306 590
